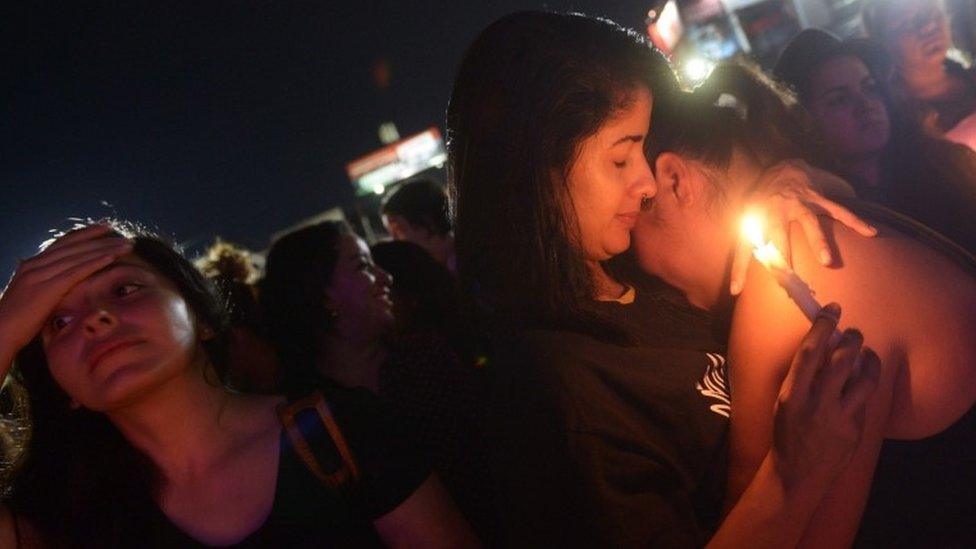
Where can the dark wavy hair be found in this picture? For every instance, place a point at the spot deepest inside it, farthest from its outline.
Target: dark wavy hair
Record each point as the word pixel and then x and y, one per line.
pixel 81 483
pixel 529 90
pixel 299 268
pixel 738 107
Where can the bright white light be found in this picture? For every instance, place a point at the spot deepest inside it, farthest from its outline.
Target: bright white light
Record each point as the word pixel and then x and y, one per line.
pixel 752 229
pixel 378 188
pixel 697 69
pixel 765 252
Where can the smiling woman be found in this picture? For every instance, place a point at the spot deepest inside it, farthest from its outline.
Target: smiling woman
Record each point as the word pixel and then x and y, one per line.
pixel 119 343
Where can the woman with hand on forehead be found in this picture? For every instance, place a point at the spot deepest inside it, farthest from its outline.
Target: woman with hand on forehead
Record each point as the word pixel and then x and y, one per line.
pixel 119 343
pixel 608 415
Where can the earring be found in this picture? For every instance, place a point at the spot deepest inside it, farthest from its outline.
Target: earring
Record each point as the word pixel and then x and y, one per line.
pixel 645 202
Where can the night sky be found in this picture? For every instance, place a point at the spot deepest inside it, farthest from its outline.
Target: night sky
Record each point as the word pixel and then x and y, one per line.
pixel 221 118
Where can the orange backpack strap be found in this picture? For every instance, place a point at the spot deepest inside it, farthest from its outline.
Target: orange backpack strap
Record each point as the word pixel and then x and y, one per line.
pixel 318 441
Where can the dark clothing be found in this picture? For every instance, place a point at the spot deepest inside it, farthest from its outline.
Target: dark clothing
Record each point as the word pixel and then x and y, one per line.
pixel 923 491
pixel 306 513
pixel 439 397
pixel 596 444
pixel 932 181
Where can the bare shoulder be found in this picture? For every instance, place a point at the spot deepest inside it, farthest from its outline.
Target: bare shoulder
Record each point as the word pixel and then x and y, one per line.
pixel 915 307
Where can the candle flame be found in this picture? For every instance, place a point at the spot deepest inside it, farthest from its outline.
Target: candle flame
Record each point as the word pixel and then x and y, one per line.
pixel 752 228
pixel 765 252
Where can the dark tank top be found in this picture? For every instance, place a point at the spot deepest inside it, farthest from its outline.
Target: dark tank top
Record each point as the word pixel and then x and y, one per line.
pixel 924 491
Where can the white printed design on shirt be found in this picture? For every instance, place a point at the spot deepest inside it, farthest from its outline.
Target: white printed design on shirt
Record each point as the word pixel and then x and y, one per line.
pixel 714 385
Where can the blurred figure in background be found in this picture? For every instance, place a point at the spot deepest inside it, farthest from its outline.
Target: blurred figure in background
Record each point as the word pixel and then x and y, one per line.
pixel 862 135
pixel 253 363
pixel 425 295
pixel 942 91
pixel 327 307
pixel 432 379
pixel 331 318
pixel 417 212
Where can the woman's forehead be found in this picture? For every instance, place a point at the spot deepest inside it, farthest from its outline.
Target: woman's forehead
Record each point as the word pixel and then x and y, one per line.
pixel 351 246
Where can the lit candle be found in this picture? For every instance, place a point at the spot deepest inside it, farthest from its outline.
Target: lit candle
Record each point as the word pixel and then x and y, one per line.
pixel 767 254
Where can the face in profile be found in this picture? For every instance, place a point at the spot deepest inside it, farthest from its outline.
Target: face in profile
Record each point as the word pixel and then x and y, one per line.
pixel 359 293
pixel 916 32
pixel 119 334
pixel 846 102
pixel 687 234
pixel 609 177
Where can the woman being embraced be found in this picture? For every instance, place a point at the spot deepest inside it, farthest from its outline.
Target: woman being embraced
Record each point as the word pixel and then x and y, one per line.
pixel 910 294
pixel 609 416
pixel 119 340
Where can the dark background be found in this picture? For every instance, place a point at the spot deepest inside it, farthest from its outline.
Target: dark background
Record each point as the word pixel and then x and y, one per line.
pixel 221 118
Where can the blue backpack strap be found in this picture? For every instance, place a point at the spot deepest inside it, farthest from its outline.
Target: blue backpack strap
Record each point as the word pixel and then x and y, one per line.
pixel 318 441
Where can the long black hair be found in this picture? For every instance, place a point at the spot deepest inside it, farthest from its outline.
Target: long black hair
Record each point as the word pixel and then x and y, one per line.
pixel 529 90
pixel 81 483
pixel 299 268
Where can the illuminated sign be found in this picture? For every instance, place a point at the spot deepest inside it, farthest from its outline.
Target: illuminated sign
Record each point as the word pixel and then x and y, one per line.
pixel 371 174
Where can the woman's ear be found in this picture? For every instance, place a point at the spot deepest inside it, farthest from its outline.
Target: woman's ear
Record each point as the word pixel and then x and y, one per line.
pixel 676 176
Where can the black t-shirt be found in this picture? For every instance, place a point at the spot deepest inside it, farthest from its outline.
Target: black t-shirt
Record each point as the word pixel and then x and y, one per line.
pixel 923 491
pixel 599 444
pixel 305 512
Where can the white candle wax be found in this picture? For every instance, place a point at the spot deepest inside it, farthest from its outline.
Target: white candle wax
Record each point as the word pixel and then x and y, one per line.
pixel 768 255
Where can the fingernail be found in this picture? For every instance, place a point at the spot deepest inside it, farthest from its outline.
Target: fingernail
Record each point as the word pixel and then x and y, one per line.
pixel 736 287
pixel 831 311
pixel 874 230
pixel 825 258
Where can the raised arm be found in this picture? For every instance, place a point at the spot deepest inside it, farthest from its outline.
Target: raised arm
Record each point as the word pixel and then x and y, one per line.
pixel 765 325
pixel 40 283
pixel 817 422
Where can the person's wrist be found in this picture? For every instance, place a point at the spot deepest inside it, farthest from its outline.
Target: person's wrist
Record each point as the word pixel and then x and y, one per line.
pixel 803 488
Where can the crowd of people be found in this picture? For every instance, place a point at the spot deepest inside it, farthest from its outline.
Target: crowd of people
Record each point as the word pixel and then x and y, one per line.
pixel 569 346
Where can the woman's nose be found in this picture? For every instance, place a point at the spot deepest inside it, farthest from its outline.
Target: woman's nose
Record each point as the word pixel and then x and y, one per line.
pixel 383 278
pixel 99 322
pixel 864 104
pixel 646 184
